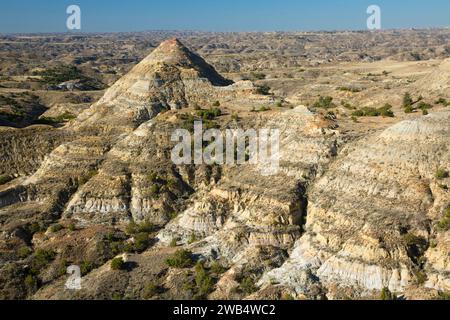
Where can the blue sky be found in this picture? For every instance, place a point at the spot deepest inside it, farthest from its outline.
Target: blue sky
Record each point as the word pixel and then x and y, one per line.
pixel 212 15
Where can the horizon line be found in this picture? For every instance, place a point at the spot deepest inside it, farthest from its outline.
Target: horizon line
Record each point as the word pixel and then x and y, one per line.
pixel 224 32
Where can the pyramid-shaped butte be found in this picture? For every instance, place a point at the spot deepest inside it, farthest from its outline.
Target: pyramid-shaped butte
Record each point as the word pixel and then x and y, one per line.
pixel 171 77
pixel 173 52
pixel 166 78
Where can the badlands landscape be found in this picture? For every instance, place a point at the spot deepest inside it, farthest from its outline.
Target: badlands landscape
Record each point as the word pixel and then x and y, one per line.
pixel 360 208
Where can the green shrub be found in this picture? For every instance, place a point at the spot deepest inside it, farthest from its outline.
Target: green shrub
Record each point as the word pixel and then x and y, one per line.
pixel 36 227
pixel 384 111
pixel 287 297
pixel 217 268
pixel 421 277
pixel 86 267
pixel 155 191
pixel 31 282
pixel 247 285
pixel 258 76
pixel 203 281
pixel 181 259
pixel 172 215
pixel 371 112
pixel 47 255
pixel 144 227
pixel 324 103
pixel 349 89
pixel 131 228
pixel 118 264
pixel 55 228
pixel 117 296
pixel 150 291
pixel 62 268
pixel 63 73
pixel 407 100
pixel 413 240
pixel 386 294
pixel 263 109
pixel 152 177
pixel 188 122
pixel 444 296
pixel 347 105
pixel 173 242
pixel 192 238
pixel 209 114
pixel 4 179
pixel 41 259
pixel 65 117
pixel 442 174
pixel 409 109
pixel 24 252
pixel 442 101
pixel 424 106
pixel 444 223
pixel 141 242
pixel 358 113
pixel 264 90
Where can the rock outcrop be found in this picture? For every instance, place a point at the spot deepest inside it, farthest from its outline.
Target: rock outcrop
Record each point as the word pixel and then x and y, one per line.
pixel 372 216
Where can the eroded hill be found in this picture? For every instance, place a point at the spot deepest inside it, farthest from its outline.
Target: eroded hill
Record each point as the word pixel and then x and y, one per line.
pixel 359 204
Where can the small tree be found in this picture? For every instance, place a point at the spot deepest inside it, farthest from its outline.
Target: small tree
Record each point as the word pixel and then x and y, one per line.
pixel 86 267
pixel 55 228
pixel 203 281
pixel 24 252
pixel 31 283
pixel 118 264
pixel 407 100
pixel 141 242
pixel 181 259
pixel 4 179
pixel 409 109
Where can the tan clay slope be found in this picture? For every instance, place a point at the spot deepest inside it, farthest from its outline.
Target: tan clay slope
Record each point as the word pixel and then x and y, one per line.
pixel 437 82
pixel 371 208
pixel 174 78
pixel 235 214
